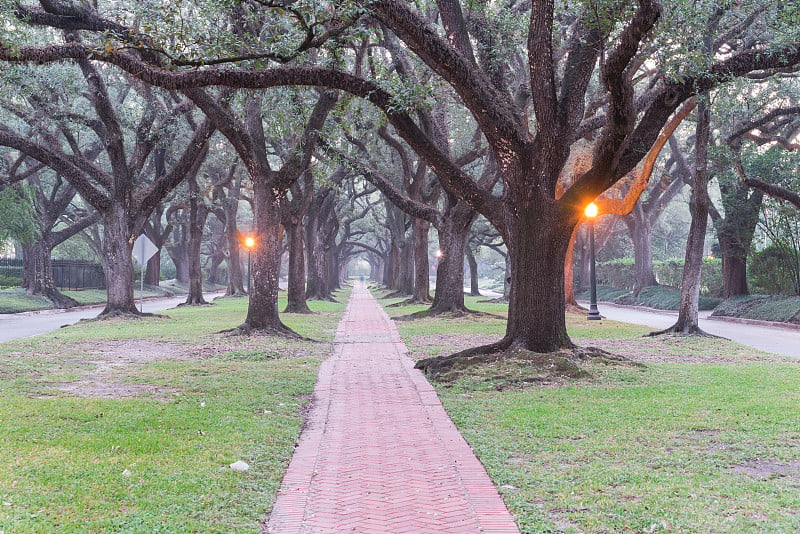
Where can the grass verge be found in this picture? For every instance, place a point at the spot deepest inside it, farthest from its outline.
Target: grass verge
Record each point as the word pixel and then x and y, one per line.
pixel 130 426
pixel 703 437
pixel 15 300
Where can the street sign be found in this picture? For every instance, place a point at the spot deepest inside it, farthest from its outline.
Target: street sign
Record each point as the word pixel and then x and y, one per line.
pixel 143 249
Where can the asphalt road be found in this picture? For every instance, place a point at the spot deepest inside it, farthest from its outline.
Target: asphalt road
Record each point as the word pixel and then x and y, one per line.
pixel 20 325
pixel 774 339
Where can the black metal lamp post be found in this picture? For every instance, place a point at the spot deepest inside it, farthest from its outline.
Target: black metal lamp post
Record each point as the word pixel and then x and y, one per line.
pixel 594 315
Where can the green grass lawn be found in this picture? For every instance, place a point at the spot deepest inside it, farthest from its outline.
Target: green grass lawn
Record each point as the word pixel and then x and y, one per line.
pixel 130 426
pixel 704 437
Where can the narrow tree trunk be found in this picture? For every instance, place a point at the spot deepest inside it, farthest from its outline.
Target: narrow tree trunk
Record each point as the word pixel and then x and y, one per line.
pixel 405 275
pixel 38 260
pixel 569 272
pixel 687 322
pixel 117 249
pixel 234 260
pixel 296 291
pixel 197 221
pixel 422 280
pixel 474 290
pixel 641 233
pixel 315 288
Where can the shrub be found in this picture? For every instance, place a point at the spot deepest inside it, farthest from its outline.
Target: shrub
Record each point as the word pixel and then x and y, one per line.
pixel 620 274
pixel 771 272
pixel 761 307
pixel 10 281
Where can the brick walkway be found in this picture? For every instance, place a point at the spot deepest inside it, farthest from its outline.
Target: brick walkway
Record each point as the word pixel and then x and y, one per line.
pixel 379 454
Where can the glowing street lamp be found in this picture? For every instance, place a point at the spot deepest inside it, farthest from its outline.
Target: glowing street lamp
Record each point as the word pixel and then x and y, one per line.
pixel 249 243
pixel 594 314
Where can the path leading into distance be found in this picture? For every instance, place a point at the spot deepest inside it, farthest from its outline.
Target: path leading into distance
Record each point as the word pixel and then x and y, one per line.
pixel 378 453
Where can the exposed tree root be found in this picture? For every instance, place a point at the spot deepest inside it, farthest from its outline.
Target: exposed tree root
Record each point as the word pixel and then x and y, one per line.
pixel 456 313
pixel 203 303
pixel 410 302
pixel 682 330
pixel 246 329
pixel 298 308
pixel 59 300
pixel 120 314
pixel 537 367
pixel 395 295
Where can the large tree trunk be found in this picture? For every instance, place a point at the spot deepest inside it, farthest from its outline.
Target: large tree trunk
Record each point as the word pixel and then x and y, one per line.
pixel 453 235
pixel 422 280
pixel 262 312
pixel 296 292
pixel 537 295
pixel 734 266
pixel 117 249
pixel 38 264
pixel 449 293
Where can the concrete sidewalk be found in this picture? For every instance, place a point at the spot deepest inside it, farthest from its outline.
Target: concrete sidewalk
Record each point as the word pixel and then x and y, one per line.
pixel 379 454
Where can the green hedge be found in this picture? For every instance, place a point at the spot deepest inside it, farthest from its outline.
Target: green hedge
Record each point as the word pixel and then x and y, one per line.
pixel 658 297
pixel 619 273
pixel 10 281
pixel 762 307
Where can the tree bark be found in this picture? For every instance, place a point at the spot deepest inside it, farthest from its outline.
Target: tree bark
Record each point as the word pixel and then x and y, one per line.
pixel 641 232
pixel 38 267
pixel 687 322
pixel 734 266
pixel 117 249
pixel 262 311
pixel 198 213
pixel 296 291
pixel 449 293
pixel 474 290
pixel 537 296
pixel 422 280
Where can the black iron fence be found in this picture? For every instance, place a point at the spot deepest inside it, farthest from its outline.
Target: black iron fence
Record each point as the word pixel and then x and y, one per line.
pixel 10 271
pixel 67 274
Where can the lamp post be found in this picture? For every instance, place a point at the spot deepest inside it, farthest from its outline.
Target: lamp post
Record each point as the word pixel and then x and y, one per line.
pixel 594 315
pixel 249 243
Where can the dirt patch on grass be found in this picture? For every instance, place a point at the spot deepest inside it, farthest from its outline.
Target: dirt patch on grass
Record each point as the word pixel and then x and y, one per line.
pixel 767 469
pixel 109 362
pixel 682 349
pixel 422 347
pixel 664 349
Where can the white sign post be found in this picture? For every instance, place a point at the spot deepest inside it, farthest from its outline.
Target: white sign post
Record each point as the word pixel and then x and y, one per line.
pixel 143 250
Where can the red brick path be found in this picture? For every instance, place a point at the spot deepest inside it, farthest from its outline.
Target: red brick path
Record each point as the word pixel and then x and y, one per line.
pixel 379 454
